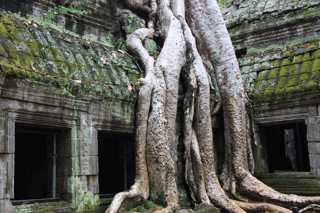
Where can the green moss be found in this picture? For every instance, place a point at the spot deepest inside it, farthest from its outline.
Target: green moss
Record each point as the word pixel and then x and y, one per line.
pixel 312 84
pixel 273 73
pixel 34 48
pixel 147 206
pixel 284 71
pixel 268 91
pixel 306 67
pixel 306 57
pixel 316 54
pixel 3 31
pixel 12 32
pixel 151 46
pixel 3 51
pixel 262 75
pixel 293 89
pixel 297 59
pixel 292 81
pixel 6 20
pixel 57 54
pixel 224 3
pixel 26 61
pixel 83 201
pixel 285 62
pixel 316 65
pixel 109 72
pixel 281 85
pixel 304 76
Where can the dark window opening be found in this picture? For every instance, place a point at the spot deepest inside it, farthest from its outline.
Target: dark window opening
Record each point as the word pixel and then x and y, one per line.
pixel 116 162
pixel 287 147
pixel 240 53
pixel 40 163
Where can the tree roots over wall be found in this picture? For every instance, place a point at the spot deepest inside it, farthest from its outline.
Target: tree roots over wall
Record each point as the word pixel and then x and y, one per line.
pixel 194 43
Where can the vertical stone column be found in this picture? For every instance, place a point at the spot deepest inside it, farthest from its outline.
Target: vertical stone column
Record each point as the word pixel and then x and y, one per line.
pixel 88 153
pixel 7 130
pixel 313 135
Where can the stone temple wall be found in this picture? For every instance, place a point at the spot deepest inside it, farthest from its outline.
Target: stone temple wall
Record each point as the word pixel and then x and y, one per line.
pixel 58 78
pixel 278 47
pixel 88 17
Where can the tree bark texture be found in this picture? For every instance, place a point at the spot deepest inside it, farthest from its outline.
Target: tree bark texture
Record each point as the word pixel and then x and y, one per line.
pixel 193 37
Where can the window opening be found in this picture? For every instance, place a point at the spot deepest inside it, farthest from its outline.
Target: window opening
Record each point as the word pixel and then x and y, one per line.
pixel 116 162
pixel 287 147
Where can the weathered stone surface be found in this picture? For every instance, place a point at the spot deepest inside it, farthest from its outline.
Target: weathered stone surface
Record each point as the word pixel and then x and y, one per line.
pixel 89 165
pixel 59 59
pixel 292 182
pixel 313 131
pixel 315 164
pixel 56 207
pixel 6 176
pixel 249 10
pixel 314 147
pixel 6 206
pixel 6 133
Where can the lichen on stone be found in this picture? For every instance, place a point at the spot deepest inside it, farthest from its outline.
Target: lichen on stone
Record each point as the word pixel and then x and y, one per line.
pixel 75 66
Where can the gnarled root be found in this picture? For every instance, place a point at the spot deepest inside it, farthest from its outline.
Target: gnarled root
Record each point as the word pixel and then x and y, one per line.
pixel 141 186
pixel 156 117
pixel 206 21
pixel 255 188
pixel 203 128
pixel 261 207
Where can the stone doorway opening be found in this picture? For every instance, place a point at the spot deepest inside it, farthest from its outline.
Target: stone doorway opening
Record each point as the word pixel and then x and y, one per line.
pixel 286 146
pixel 40 164
pixel 116 162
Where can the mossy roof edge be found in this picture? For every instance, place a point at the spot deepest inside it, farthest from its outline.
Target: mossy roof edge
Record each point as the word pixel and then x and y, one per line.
pixel 74 66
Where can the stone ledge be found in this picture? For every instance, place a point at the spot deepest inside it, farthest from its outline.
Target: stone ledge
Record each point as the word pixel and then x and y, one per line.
pixel 302 183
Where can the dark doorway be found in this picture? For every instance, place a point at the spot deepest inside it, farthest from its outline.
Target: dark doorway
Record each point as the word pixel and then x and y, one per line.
pixel 116 162
pixel 287 147
pixel 38 154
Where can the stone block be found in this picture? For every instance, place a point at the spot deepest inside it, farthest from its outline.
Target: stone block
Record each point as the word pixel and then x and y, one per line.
pixel 89 165
pixel 315 164
pixel 313 131
pixel 314 147
pixel 6 206
pixel 93 183
pixel 89 141
pixel 7 130
pixel 6 176
pixel 315 171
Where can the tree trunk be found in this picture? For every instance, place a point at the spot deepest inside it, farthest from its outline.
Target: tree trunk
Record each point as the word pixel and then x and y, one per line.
pixel 194 37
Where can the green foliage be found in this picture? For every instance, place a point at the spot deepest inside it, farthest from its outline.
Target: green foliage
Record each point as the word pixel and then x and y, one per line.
pixel 224 3
pixel 75 9
pixel 147 206
pixel 83 201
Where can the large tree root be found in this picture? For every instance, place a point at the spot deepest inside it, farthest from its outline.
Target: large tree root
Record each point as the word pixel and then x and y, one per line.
pixel 156 128
pixel 261 207
pixel 219 48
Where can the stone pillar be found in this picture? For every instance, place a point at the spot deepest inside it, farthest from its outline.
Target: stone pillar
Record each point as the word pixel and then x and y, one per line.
pixel 313 136
pixel 6 161
pixel 88 153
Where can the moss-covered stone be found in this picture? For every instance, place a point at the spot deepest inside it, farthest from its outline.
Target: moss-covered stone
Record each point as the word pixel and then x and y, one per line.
pixel 288 76
pixel 63 62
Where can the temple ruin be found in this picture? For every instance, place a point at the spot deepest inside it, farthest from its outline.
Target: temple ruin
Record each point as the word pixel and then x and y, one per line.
pixel 68 93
